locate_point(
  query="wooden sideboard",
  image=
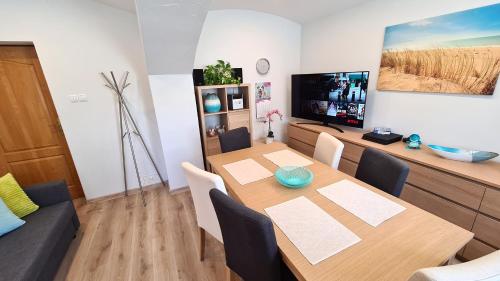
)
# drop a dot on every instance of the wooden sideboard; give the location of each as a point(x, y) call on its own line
point(466, 194)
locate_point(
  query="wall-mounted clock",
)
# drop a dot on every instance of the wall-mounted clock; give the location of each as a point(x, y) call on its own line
point(263, 66)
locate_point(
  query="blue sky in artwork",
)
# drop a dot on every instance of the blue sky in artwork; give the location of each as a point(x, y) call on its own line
point(461, 29)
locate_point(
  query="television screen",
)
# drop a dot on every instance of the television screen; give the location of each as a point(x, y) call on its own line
point(336, 98)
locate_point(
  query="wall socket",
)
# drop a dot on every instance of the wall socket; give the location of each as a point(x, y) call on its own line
point(148, 180)
point(83, 98)
point(73, 98)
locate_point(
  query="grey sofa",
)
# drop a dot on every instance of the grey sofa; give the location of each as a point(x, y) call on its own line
point(35, 250)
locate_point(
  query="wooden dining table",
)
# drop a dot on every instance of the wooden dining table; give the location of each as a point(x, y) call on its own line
point(392, 251)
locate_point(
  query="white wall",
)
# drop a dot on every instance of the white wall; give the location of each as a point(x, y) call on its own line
point(170, 32)
point(242, 37)
point(352, 40)
point(75, 40)
point(174, 99)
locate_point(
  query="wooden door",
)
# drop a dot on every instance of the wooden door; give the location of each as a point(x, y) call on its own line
point(32, 144)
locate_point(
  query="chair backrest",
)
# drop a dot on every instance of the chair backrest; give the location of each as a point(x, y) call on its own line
point(328, 150)
point(235, 139)
point(249, 240)
point(200, 183)
point(486, 268)
point(382, 171)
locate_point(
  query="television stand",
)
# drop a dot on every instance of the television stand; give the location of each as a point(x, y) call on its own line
point(324, 124)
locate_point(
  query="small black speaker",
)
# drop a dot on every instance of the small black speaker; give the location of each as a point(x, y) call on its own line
point(238, 73)
point(198, 77)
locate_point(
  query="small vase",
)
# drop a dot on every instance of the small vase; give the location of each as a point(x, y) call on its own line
point(270, 137)
point(212, 103)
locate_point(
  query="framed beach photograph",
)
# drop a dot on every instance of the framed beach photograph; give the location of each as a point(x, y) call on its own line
point(456, 53)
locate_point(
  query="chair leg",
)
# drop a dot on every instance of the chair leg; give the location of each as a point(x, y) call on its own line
point(202, 243)
point(231, 275)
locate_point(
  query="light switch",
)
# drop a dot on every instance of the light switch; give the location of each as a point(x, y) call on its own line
point(73, 98)
point(83, 98)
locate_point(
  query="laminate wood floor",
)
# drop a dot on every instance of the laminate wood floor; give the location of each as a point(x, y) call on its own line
point(121, 240)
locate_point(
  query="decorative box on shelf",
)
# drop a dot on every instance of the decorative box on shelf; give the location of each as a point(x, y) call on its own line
point(236, 104)
point(234, 99)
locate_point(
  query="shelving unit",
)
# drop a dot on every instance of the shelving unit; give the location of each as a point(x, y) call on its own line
point(230, 119)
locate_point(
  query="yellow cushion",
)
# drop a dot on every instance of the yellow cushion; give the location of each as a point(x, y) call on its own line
point(15, 198)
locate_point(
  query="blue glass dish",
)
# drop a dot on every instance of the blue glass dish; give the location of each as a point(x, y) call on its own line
point(294, 177)
point(462, 154)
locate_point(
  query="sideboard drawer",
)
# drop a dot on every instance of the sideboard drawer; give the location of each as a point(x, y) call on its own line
point(457, 189)
point(348, 167)
point(476, 249)
point(491, 203)
point(305, 136)
point(445, 209)
point(352, 151)
point(487, 230)
point(302, 147)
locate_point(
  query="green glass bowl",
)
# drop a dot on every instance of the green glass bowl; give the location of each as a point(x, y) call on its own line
point(294, 177)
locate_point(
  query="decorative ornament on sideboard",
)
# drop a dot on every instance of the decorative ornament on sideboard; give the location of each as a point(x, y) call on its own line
point(413, 141)
point(463, 155)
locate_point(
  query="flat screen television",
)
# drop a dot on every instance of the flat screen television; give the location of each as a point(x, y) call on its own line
point(332, 98)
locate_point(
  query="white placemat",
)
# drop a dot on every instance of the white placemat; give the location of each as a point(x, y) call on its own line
point(286, 157)
point(367, 205)
point(247, 171)
point(313, 231)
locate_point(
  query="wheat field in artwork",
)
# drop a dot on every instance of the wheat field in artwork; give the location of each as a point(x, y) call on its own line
point(455, 53)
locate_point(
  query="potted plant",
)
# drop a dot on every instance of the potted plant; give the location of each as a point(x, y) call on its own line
point(269, 119)
point(219, 74)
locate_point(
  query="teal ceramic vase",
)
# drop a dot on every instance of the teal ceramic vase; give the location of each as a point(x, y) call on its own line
point(212, 103)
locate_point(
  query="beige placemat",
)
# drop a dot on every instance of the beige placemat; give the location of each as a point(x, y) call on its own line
point(313, 231)
point(286, 157)
point(247, 171)
point(367, 205)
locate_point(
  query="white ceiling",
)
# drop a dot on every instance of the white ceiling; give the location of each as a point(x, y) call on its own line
point(301, 11)
point(128, 5)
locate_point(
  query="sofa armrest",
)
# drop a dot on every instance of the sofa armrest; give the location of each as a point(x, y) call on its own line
point(47, 194)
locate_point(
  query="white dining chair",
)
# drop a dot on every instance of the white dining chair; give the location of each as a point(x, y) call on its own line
point(200, 183)
point(328, 150)
point(486, 268)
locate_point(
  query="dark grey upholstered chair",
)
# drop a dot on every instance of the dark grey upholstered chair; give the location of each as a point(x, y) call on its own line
point(235, 139)
point(249, 241)
point(382, 171)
